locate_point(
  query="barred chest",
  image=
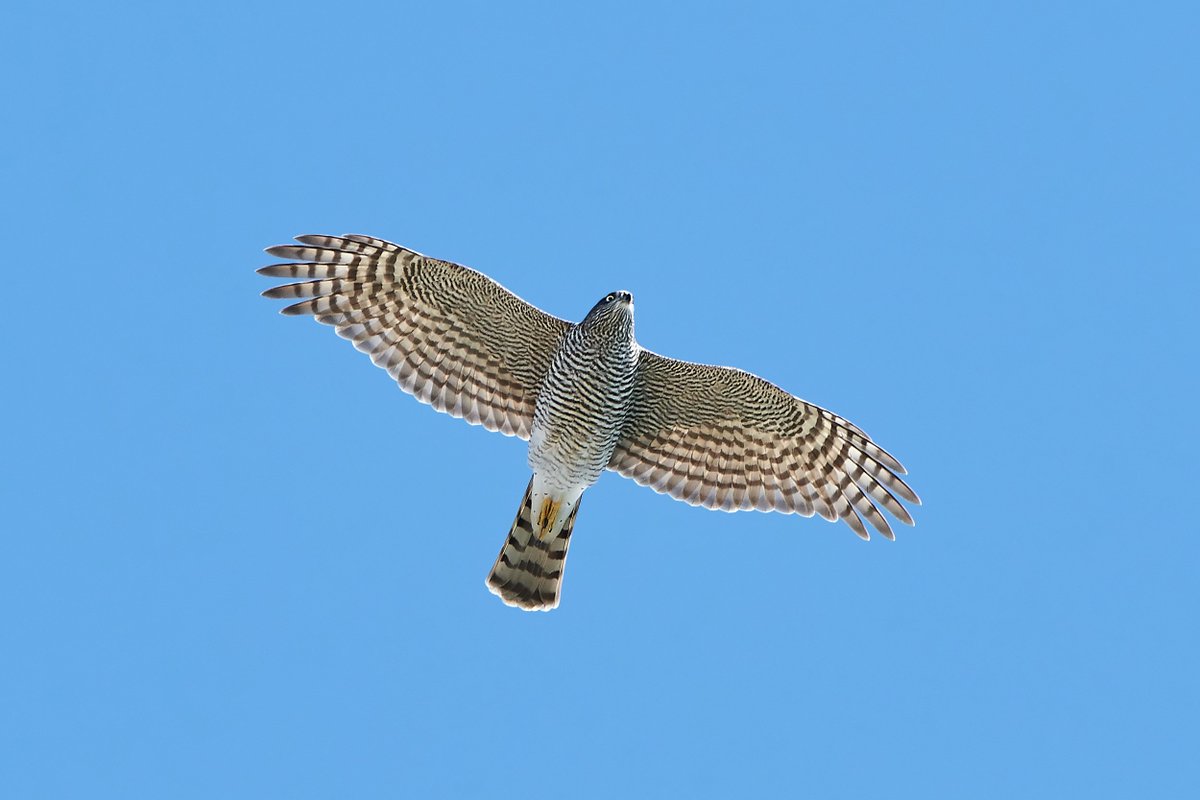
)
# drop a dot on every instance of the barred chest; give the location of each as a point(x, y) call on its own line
point(582, 406)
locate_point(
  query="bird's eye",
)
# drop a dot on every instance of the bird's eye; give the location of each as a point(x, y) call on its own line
point(609, 299)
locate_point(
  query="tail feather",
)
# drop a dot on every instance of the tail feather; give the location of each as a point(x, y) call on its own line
point(528, 572)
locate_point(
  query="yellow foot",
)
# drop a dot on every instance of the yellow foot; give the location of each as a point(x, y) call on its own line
point(546, 516)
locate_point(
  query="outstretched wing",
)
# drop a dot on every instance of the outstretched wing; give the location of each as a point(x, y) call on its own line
point(726, 439)
point(450, 336)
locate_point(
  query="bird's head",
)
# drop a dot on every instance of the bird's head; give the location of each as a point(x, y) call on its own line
point(613, 303)
point(614, 307)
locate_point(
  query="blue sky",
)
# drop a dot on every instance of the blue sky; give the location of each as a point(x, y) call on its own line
point(236, 561)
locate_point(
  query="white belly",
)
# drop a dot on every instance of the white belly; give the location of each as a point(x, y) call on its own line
point(564, 462)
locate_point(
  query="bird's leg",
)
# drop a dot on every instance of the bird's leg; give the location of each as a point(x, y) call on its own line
point(547, 516)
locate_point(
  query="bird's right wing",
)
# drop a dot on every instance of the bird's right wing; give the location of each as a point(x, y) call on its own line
point(725, 439)
point(450, 336)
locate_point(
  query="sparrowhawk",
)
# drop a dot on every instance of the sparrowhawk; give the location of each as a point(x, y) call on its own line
point(587, 397)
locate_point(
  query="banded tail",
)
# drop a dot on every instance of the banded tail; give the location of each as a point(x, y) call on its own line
point(528, 572)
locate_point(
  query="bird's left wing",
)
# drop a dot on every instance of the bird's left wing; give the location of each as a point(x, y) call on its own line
point(450, 336)
point(725, 439)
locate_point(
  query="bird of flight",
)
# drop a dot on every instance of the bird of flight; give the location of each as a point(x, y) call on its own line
point(587, 397)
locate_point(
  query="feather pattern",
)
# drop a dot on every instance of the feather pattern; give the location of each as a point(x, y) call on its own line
point(725, 439)
point(450, 336)
point(528, 573)
point(587, 397)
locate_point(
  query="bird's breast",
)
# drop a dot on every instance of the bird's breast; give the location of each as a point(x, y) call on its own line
point(581, 409)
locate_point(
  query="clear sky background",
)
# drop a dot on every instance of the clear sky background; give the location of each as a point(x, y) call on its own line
point(236, 561)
